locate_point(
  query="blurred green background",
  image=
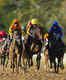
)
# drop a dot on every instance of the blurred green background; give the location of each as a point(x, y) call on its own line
point(45, 10)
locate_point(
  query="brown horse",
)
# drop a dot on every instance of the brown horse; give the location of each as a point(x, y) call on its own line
point(29, 54)
point(15, 55)
point(25, 56)
point(46, 59)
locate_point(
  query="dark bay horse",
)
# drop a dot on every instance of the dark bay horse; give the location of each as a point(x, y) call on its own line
point(34, 48)
point(55, 50)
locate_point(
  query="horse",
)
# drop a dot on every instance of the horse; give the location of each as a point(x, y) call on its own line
point(46, 59)
point(4, 54)
point(34, 48)
point(15, 53)
point(55, 50)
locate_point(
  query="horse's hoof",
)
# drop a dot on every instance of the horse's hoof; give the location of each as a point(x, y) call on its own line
point(20, 65)
point(31, 64)
point(11, 66)
point(38, 67)
point(31, 68)
point(50, 70)
point(56, 72)
point(36, 70)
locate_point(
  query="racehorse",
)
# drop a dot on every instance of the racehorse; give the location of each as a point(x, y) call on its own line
point(34, 48)
point(46, 59)
point(4, 54)
point(55, 50)
point(15, 53)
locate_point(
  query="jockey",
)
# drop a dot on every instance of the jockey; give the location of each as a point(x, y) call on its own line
point(15, 26)
point(15, 32)
point(33, 32)
point(57, 30)
point(31, 29)
point(3, 35)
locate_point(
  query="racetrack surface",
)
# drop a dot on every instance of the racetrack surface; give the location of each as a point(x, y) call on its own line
point(32, 74)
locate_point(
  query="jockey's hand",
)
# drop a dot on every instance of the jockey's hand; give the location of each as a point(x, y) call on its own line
point(32, 36)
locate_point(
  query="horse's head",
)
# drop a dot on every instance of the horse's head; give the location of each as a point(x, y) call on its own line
point(52, 39)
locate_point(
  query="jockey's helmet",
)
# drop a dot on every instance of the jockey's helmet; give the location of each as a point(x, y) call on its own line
point(15, 21)
point(55, 23)
point(34, 21)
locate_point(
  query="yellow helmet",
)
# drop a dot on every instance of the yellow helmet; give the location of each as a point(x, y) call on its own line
point(15, 20)
point(34, 21)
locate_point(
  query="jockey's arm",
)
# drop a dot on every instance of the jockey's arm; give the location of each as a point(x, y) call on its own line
point(60, 33)
point(28, 31)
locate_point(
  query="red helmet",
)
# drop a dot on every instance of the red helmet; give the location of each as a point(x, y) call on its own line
point(2, 33)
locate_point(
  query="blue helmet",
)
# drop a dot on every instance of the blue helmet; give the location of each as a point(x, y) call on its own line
point(55, 23)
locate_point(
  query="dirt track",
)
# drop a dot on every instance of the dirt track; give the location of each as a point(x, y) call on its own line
point(32, 74)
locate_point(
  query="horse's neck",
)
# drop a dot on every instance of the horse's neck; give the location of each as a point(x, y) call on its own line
point(37, 34)
point(13, 43)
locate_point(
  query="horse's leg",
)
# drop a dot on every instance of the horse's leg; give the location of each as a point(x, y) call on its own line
point(61, 64)
point(50, 62)
point(46, 59)
point(55, 64)
point(23, 61)
point(29, 64)
point(7, 59)
point(20, 60)
point(1, 59)
point(46, 62)
point(38, 60)
point(59, 60)
point(4, 59)
point(31, 61)
point(13, 65)
point(17, 65)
